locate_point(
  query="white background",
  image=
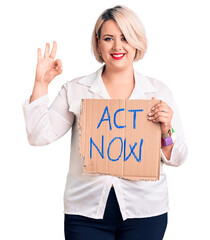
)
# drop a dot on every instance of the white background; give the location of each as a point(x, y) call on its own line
point(32, 179)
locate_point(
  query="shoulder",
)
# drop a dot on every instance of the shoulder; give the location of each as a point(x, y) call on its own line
point(164, 91)
point(160, 86)
point(79, 87)
point(74, 81)
point(86, 80)
point(154, 87)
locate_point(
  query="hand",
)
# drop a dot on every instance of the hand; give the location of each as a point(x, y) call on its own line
point(47, 68)
point(162, 113)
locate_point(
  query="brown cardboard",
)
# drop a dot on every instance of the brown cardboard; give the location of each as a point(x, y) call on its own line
point(124, 123)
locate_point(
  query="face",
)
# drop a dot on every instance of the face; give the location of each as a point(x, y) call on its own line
point(115, 50)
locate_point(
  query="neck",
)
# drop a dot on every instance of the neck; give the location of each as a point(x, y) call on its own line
point(118, 76)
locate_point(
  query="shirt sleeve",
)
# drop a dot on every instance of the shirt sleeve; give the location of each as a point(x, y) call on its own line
point(179, 150)
point(46, 124)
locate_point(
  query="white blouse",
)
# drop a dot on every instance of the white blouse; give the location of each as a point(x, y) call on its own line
point(87, 195)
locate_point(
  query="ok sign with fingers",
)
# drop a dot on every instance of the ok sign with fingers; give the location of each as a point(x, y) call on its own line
point(47, 68)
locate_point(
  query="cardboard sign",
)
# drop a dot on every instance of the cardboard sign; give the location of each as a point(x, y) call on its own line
point(116, 138)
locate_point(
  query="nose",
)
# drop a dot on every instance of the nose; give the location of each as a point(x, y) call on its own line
point(117, 45)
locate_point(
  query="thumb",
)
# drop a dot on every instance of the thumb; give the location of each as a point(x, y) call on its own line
point(58, 68)
point(153, 98)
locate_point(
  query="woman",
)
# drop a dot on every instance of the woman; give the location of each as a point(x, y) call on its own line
point(107, 207)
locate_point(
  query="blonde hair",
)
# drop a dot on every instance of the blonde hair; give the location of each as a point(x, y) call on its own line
point(130, 25)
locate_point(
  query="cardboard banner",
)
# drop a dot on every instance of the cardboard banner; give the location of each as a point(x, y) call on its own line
point(116, 138)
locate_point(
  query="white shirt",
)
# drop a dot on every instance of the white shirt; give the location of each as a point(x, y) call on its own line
point(87, 195)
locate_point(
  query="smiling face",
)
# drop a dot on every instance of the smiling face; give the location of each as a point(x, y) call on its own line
point(116, 52)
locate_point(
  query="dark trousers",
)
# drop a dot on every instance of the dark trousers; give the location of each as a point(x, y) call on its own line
point(112, 226)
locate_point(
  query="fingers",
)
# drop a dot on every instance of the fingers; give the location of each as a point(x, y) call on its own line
point(47, 50)
point(39, 54)
point(161, 112)
point(57, 64)
point(161, 108)
point(54, 49)
point(158, 117)
point(58, 68)
point(161, 105)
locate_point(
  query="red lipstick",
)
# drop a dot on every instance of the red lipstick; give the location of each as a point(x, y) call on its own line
point(117, 56)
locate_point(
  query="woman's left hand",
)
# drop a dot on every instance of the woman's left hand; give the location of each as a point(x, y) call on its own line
point(162, 113)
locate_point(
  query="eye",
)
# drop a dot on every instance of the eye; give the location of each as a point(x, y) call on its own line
point(124, 39)
point(107, 39)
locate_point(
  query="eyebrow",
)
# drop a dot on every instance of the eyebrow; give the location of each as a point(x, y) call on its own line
point(109, 35)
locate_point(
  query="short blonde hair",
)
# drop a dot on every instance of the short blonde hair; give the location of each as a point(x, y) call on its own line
point(130, 25)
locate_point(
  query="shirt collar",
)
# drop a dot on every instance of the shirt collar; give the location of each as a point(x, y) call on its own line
point(95, 83)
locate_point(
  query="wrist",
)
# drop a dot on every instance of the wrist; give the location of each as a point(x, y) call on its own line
point(165, 129)
point(168, 138)
point(40, 89)
point(40, 84)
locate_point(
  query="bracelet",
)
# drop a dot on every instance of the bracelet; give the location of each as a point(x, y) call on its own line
point(168, 139)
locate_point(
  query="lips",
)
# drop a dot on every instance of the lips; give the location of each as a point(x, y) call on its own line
point(117, 56)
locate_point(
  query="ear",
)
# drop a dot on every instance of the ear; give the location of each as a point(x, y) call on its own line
point(135, 54)
point(98, 42)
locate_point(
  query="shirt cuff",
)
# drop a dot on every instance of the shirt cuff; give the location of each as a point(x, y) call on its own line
point(178, 153)
point(39, 101)
point(163, 157)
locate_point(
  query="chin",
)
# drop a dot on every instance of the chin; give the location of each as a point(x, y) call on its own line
point(120, 66)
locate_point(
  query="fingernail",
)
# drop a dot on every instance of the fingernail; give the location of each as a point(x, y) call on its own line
point(153, 109)
point(149, 114)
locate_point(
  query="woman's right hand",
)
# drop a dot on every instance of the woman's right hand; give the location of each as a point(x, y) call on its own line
point(47, 68)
